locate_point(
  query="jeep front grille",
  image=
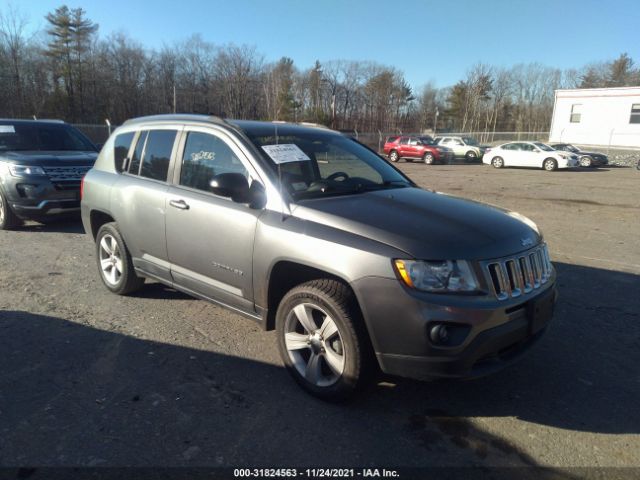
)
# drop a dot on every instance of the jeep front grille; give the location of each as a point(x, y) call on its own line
point(66, 174)
point(519, 274)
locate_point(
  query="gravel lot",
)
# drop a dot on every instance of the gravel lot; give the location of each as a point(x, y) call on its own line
point(160, 379)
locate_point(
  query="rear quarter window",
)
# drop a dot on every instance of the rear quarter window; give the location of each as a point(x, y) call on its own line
point(121, 146)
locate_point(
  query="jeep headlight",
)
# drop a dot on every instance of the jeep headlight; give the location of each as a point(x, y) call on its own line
point(447, 276)
point(25, 170)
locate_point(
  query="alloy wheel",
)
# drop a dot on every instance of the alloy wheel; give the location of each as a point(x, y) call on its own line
point(110, 260)
point(314, 344)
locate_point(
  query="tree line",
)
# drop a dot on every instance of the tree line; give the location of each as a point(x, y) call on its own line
point(68, 71)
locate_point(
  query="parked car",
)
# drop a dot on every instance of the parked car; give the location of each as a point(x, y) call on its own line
point(416, 148)
point(463, 147)
point(529, 154)
point(41, 165)
point(586, 159)
point(310, 233)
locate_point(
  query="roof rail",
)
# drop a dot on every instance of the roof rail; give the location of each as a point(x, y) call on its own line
point(317, 125)
point(180, 117)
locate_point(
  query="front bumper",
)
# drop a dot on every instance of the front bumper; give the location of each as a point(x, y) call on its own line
point(38, 197)
point(489, 334)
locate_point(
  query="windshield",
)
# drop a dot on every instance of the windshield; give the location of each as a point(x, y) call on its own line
point(44, 136)
point(571, 148)
point(332, 165)
point(470, 141)
point(544, 147)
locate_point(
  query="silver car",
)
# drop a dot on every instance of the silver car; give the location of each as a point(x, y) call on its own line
point(311, 233)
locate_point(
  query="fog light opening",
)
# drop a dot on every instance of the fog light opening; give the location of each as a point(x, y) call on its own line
point(439, 334)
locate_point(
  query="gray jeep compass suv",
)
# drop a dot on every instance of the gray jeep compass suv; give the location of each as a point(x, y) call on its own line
point(312, 234)
point(41, 165)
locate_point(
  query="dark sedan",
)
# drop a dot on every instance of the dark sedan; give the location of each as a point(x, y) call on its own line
point(587, 159)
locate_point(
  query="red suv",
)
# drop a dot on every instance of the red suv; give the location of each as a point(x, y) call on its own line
point(416, 148)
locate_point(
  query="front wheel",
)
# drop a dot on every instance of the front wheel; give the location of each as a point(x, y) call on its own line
point(585, 162)
point(8, 219)
point(428, 158)
point(497, 162)
point(114, 261)
point(549, 164)
point(470, 156)
point(321, 339)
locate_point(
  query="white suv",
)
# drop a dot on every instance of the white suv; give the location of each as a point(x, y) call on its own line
point(529, 154)
point(463, 147)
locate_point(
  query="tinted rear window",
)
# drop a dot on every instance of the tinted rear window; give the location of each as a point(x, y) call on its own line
point(121, 147)
point(42, 136)
point(134, 166)
point(155, 162)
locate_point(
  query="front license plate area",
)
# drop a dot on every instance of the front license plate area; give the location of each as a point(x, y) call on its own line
point(540, 310)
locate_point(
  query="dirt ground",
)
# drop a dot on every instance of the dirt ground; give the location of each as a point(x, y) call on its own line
point(160, 379)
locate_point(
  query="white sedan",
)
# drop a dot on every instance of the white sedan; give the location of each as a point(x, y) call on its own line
point(529, 154)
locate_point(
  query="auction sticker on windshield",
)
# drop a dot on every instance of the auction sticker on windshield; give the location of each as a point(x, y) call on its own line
point(285, 153)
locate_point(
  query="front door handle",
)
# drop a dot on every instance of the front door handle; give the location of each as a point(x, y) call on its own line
point(181, 204)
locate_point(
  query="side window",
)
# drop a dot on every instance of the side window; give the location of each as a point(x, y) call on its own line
point(121, 147)
point(635, 113)
point(206, 156)
point(413, 141)
point(404, 141)
point(157, 153)
point(576, 113)
point(526, 147)
point(134, 166)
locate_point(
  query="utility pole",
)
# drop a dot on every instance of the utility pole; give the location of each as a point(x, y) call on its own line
point(174, 98)
point(435, 122)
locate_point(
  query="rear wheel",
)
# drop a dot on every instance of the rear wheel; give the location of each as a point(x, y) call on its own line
point(550, 164)
point(393, 156)
point(470, 156)
point(497, 162)
point(321, 339)
point(428, 158)
point(8, 219)
point(114, 261)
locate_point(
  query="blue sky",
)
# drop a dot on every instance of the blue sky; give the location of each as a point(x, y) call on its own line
point(427, 40)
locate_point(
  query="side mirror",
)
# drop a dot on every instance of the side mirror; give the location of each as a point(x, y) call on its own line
point(231, 185)
point(537, 150)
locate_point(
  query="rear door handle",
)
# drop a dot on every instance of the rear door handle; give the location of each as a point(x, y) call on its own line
point(181, 204)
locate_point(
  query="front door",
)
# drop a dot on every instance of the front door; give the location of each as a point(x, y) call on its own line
point(210, 238)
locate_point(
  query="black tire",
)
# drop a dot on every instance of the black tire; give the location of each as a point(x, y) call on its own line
point(470, 156)
point(428, 158)
point(324, 299)
point(127, 281)
point(393, 156)
point(497, 162)
point(586, 162)
point(8, 219)
point(550, 164)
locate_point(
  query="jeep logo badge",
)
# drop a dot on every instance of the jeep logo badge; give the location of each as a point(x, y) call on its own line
point(526, 242)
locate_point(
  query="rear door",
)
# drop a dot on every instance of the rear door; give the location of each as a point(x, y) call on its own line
point(210, 238)
point(139, 201)
point(512, 155)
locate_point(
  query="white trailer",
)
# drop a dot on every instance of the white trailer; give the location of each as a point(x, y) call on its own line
point(598, 117)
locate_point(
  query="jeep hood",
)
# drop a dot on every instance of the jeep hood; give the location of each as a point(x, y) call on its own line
point(426, 225)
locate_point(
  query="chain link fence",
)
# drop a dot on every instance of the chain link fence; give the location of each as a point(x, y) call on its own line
point(98, 134)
